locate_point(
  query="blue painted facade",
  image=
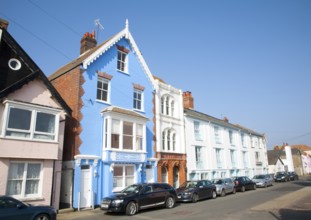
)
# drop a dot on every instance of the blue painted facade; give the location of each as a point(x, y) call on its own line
point(96, 153)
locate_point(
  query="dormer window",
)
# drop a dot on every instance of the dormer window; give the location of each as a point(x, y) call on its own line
point(122, 64)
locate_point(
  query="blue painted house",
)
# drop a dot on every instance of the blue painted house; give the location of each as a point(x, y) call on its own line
point(109, 141)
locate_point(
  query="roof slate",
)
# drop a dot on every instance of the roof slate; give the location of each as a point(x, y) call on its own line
point(205, 117)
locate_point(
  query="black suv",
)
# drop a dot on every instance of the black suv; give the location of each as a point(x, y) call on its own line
point(281, 177)
point(293, 175)
point(243, 183)
point(140, 196)
point(192, 191)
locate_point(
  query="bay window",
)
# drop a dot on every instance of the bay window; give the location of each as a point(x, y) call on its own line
point(124, 135)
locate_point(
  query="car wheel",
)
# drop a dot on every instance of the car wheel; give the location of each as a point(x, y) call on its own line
point(223, 193)
point(131, 208)
point(170, 202)
point(234, 190)
point(243, 189)
point(195, 198)
point(214, 194)
point(42, 217)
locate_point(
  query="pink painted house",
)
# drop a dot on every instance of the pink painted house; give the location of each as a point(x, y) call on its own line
point(32, 122)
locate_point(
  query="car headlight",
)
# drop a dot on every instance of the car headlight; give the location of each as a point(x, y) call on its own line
point(117, 201)
point(187, 193)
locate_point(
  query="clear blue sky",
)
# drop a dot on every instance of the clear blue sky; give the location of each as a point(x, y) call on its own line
point(247, 60)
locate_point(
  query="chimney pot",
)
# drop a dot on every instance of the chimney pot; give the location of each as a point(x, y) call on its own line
point(188, 100)
point(4, 24)
point(88, 41)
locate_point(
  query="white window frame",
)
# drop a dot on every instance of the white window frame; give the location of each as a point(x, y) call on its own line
point(169, 140)
point(34, 109)
point(197, 130)
point(23, 194)
point(218, 152)
point(124, 177)
point(217, 133)
point(198, 157)
point(101, 90)
point(123, 60)
point(231, 138)
point(108, 131)
point(167, 106)
point(137, 92)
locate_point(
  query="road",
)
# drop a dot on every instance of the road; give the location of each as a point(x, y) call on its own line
point(283, 201)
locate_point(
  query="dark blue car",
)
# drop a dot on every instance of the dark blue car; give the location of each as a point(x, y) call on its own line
point(13, 209)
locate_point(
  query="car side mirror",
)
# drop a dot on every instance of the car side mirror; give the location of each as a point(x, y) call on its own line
point(20, 206)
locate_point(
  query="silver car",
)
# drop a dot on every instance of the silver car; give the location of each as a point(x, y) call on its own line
point(224, 186)
point(263, 180)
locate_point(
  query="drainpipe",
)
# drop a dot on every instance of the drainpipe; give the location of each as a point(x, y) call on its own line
point(52, 190)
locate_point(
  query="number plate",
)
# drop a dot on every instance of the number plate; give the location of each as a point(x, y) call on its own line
point(104, 206)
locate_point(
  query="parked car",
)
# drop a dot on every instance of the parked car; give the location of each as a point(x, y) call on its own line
point(12, 209)
point(140, 196)
point(281, 177)
point(243, 183)
point(293, 175)
point(194, 190)
point(263, 180)
point(224, 186)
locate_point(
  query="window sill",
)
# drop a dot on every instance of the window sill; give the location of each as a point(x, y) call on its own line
point(124, 72)
point(138, 110)
point(30, 140)
point(104, 102)
point(30, 199)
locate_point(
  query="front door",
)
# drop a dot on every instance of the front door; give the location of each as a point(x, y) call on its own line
point(86, 187)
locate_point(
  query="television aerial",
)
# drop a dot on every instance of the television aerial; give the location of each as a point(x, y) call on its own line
point(99, 27)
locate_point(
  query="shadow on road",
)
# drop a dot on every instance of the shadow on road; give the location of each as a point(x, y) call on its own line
point(303, 183)
point(290, 214)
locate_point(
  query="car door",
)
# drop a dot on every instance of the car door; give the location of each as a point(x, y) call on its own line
point(227, 186)
point(248, 183)
point(160, 193)
point(201, 190)
point(147, 197)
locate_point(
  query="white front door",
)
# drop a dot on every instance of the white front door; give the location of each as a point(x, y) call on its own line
point(86, 187)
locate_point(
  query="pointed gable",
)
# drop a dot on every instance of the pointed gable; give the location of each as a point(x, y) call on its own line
point(17, 69)
point(93, 54)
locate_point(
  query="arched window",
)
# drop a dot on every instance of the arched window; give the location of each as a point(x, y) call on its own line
point(162, 104)
point(172, 108)
point(169, 140)
point(167, 105)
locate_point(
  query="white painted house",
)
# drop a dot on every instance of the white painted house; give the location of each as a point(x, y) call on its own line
point(170, 144)
point(216, 148)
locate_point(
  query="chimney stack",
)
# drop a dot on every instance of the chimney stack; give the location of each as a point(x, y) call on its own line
point(188, 100)
point(4, 24)
point(88, 41)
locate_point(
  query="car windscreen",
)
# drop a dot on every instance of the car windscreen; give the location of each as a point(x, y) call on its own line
point(189, 184)
point(132, 189)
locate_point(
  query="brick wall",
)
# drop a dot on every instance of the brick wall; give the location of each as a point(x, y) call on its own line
point(69, 85)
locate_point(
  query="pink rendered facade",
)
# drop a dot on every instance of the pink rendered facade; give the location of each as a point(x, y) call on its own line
point(31, 162)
